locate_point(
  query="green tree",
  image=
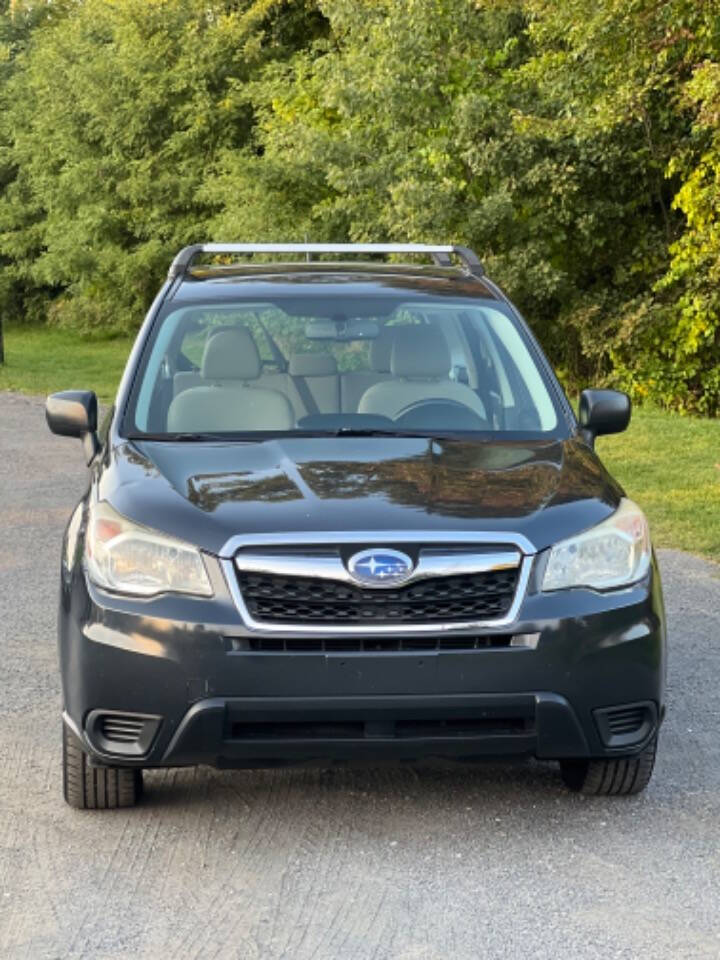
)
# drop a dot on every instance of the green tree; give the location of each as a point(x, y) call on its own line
point(117, 114)
point(681, 366)
point(18, 21)
point(646, 73)
point(442, 120)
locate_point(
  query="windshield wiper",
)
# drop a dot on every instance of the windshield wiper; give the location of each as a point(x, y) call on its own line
point(259, 436)
point(389, 432)
point(190, 437)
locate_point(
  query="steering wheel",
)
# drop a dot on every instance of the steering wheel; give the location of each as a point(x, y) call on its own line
point(439, 414)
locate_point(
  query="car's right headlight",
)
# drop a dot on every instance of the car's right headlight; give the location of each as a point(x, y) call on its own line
point(615, 553)
point(123, 556)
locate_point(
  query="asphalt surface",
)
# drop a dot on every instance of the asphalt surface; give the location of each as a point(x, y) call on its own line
point(388, 864)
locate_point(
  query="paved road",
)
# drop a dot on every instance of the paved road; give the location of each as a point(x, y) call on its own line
point(427, 864)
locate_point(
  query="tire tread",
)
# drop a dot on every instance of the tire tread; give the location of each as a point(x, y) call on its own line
point(96, 788)
point(615, 777)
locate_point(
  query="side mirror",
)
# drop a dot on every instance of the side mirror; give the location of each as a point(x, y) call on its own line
point(73, 413)
point(603, 411)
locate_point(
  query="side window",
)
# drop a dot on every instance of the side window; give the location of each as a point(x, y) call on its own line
point(532, 406)
point(493, 368)
point(461, 368)
point(519, 412)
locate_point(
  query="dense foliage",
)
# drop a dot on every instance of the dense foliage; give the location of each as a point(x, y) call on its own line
point(576, 146)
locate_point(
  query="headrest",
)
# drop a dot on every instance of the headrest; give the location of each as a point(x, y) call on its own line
point(381, 350)
point(231, 355)
point(420, 351)
point(312, 365)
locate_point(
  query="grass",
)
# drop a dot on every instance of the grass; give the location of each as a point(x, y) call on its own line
point(668, 463)
point(41, 360)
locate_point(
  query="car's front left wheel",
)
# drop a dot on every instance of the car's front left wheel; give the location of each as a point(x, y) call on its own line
point(88, 787)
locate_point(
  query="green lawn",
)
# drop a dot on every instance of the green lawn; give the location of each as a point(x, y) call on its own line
point(668, 463)
point(40, 360)
point(671, 466)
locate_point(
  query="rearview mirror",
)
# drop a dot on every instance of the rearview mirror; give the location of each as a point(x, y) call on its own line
point(602, 412)
point(342, 330)
point(73, 413)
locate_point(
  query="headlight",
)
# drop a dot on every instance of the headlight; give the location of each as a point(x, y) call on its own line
point(123, 556)
point(613, 554)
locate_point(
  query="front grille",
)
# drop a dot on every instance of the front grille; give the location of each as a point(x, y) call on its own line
point(399, 728)
point(380, 644)
point(313, 600)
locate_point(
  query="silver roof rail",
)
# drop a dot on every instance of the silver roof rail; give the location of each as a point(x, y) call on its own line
point(441, 254)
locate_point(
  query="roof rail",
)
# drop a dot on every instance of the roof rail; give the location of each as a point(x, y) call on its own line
point(441, 254)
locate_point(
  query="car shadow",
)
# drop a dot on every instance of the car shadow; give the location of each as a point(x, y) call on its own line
point(426, 782)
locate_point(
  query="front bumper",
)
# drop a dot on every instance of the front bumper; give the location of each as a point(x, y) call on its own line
point(178, 661)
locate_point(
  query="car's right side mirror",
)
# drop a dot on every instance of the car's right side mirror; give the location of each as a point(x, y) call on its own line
point(603, 411)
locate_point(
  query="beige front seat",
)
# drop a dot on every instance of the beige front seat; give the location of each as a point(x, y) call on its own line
point(184, 379)
point(227, 400)
point(420, 365)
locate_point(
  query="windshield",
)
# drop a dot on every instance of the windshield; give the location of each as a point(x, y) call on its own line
point(339, 366)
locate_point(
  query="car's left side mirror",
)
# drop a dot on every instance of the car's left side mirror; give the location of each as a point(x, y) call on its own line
point(603, 411)
point(73, 413)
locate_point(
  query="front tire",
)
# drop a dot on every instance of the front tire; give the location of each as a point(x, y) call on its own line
point(86, 787)
point(616, 777)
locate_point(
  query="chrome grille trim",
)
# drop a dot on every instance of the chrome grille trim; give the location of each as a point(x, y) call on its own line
point(525, 555)
point(329, 566)
point(320, 538)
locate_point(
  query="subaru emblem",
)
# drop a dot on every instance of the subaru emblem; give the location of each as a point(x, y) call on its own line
point(380, 567)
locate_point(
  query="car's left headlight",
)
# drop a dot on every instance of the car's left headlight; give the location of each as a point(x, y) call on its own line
point(615, 553)
point(123, 556)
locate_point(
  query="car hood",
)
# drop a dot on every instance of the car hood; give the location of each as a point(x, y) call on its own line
point(206, 493)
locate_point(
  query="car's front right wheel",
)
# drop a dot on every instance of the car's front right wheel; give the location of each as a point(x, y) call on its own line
point(616, 777)
point(87, 787)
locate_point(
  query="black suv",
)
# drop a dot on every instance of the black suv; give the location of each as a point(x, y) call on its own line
point(343, 512)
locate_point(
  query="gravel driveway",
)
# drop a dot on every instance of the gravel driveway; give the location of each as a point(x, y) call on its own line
point(406, 864)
